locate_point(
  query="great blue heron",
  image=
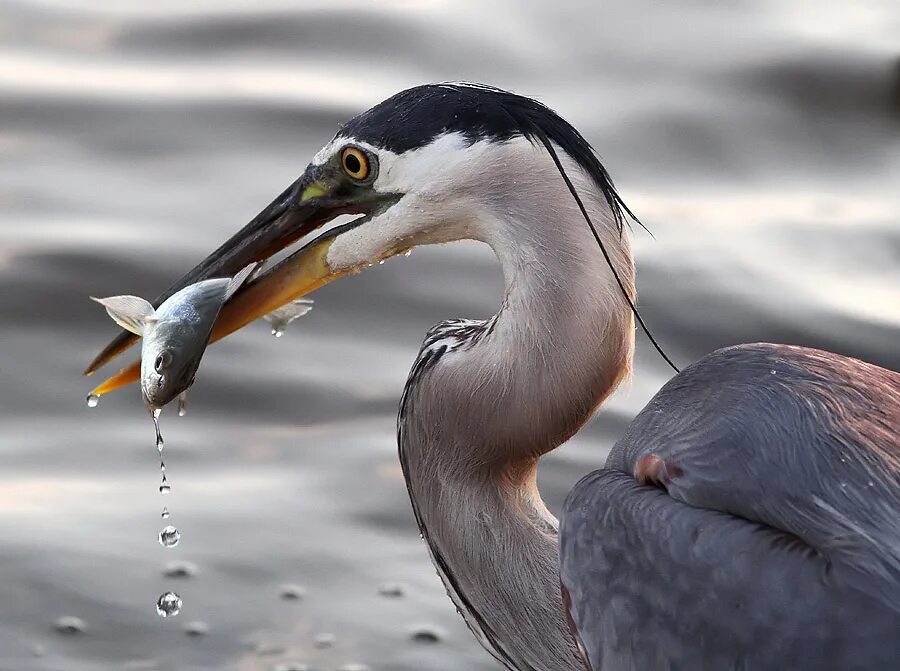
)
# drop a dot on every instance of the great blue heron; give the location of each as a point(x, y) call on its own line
point(749, 518)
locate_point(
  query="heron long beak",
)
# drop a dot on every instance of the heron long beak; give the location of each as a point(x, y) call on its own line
point(313, 200)
point(295, 276)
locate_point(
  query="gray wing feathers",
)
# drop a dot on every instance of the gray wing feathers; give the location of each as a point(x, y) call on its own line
point(798, 439)
point(784, 480)
point(656, 584)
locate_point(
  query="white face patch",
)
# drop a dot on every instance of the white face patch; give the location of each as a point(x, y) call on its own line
point(508, 194)
point(414, 169)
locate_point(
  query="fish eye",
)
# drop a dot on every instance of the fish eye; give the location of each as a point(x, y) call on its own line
point(163, 361)
point(355, 163)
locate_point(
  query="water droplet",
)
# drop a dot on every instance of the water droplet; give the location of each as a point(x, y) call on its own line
point(324, 640)
point(408, 252)
point(164, 487)
point(165, 513)
point(169, 537)
point(159, 439)
point(381, 263)
point(277, 331)
point(196, 629)
point(93, 400)
point(292, 592)
point(426, 634)
point(180, 569)
point(168, 605)
point(182, 405)
point(393, 590)
point(69, 624)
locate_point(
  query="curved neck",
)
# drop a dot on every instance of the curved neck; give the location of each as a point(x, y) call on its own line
point(480, 410)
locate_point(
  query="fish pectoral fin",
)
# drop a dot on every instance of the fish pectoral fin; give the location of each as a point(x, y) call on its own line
point(288, 313)
point(130, 312)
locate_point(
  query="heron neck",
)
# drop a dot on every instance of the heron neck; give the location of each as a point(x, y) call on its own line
point(477, 423)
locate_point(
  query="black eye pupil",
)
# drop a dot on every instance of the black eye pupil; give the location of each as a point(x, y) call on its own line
point(352, 163)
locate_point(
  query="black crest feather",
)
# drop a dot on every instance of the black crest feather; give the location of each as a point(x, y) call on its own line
point(416, 116)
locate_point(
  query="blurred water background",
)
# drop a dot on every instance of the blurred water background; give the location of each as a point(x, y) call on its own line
point(760, 141)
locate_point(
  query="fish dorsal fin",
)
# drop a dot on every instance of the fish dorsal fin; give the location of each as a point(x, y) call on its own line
point(238, 280)
point(203, 296)
point(130, 312)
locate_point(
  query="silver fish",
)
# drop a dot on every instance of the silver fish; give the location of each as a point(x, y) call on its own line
point(175, 335)
point(280, 319)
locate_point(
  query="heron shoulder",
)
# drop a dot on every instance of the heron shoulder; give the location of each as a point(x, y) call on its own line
point(799, 440)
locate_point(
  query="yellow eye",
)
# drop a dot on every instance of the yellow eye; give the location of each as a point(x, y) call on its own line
point(355, 163)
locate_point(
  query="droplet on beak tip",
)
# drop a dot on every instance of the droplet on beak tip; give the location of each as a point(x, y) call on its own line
point(277, 332)
point(182, 405)
point(93, 400)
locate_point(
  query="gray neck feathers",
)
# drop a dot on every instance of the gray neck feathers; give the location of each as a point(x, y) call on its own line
point(477, 418)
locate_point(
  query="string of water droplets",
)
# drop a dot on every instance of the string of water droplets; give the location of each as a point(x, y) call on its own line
point(169, 603)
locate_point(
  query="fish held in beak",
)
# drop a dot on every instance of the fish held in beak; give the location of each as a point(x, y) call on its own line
point(292, 278)
point(300, 209)
point(321, 194)
point(174, 336)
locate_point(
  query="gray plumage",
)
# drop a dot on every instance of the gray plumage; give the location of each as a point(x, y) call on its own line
point(772, 541)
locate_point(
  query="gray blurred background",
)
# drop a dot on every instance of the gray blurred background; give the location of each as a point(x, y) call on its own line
point(759, 141)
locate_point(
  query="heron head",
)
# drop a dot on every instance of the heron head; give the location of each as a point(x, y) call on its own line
point(432, 164)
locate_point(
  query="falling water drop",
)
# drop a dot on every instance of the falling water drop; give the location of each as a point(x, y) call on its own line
point(168, 605)
point(159, 439)
point(182, 405)
point(277, 331)
point(93, 400)
point(169, 537)
point(164, 487)
point(165, 513)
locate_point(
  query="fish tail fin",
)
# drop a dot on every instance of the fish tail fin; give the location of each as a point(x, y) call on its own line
point(130, 312)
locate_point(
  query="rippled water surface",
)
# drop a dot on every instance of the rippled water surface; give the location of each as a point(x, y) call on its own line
point(758, 140)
